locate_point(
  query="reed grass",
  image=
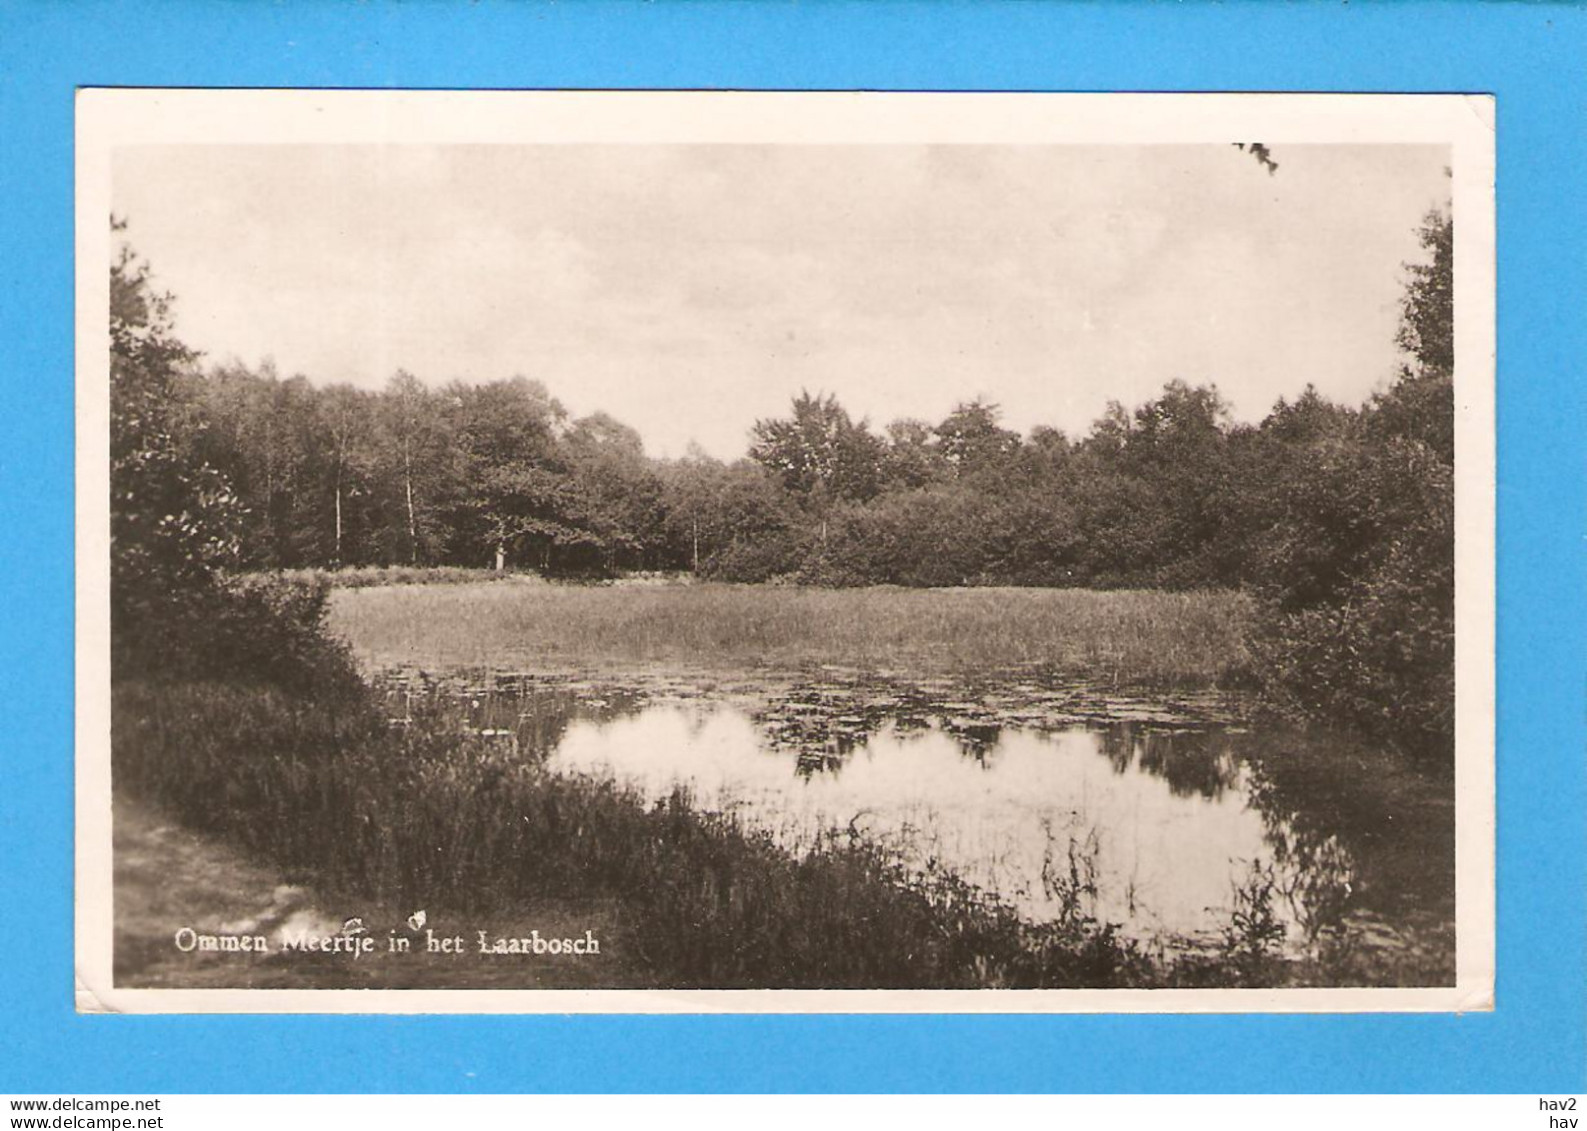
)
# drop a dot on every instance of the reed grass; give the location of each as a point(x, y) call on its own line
point(1129, 637)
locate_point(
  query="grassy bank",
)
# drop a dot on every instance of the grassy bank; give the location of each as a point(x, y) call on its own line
point(1137, 637)
point(429, 817)
point(166, 874)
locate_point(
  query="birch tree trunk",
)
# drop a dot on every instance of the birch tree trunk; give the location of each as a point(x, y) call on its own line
point(407, 483)
point(338, 513)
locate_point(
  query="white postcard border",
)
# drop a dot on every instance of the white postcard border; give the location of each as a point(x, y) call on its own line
point(109, 118)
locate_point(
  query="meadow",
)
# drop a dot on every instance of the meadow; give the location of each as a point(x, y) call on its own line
point(1132, 637)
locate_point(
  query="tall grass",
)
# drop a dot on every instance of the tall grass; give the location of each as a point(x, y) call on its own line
point(429, 817)
point(1136, 637)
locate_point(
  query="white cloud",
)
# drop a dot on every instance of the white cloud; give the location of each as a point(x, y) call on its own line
point(689, 290)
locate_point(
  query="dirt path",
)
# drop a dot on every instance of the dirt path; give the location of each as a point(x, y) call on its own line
point(168, 878)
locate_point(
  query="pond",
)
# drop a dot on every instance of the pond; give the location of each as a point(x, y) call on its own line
point(1164, 815)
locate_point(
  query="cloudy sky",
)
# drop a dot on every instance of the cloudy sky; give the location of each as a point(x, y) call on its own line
point(691, 289)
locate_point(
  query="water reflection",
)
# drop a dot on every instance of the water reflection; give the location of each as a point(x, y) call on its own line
point(1155, 816)
point(991, 808)
point(1194, 763)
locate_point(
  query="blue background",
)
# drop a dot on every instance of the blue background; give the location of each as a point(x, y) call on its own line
point(1531, 56)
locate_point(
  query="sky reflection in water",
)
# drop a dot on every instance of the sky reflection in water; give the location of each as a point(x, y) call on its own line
point(1164, 856)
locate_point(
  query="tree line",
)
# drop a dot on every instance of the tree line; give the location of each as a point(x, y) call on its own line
point(1339, 517)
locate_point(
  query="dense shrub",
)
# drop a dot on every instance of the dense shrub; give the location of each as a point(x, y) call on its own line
point(261, 629)
point(368, 577)
point(924, 538)
point(1359, 607)
point(773, 556)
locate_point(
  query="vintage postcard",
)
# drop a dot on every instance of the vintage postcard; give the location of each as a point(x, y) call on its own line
point(776, 552)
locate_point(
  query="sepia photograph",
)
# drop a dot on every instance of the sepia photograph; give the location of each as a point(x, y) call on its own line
point(635, 552)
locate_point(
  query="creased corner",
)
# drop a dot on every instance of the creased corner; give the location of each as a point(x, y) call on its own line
point(89, 1001)
point(1485, 108)
point(1479, 999)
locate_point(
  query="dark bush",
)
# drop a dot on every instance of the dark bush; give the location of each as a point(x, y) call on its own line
point(775, 555)
point(260, 629)
point(1360, 605)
